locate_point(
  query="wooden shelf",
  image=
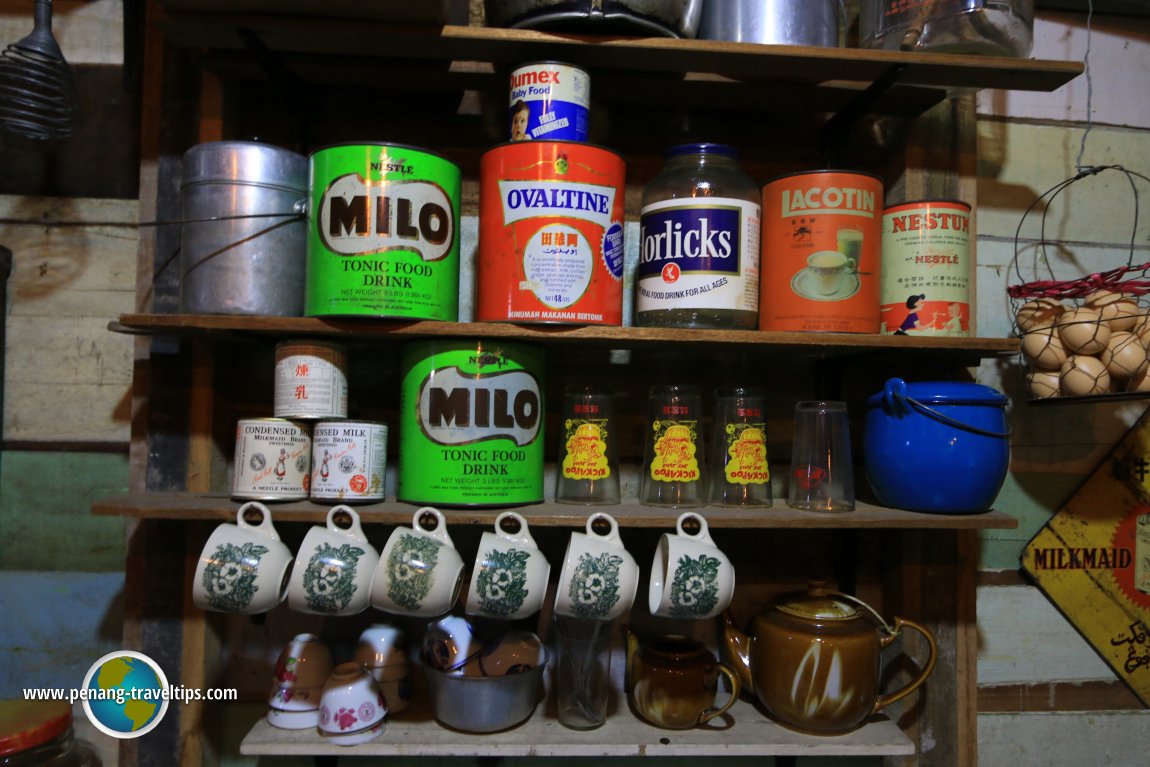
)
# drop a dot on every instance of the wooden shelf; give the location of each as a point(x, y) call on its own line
point(812, 66)
point(210, 507)
point(220, 327)
point(750, 733)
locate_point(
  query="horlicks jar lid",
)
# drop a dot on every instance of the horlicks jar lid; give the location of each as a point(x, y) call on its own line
point(702, 147)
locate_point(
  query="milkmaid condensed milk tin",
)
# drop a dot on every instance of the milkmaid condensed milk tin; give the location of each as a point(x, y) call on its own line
point(550, 234)
point(348, 461)
point(383, 233)
point(926, 268)
point(820, 252)
point(272, 460)
point(471, 424)
point(549, 100)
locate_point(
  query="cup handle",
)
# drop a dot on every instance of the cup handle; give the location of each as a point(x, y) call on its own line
point(704, 533)
point(612, 535)
point(440, 531)
point(885, 700)
point(523, 537)
point(265, 526)
point(354, 530)
point(733, 678)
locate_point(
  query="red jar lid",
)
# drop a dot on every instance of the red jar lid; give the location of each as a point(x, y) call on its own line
point(26, 724)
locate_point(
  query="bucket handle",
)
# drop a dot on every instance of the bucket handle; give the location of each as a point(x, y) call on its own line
point(895, 396)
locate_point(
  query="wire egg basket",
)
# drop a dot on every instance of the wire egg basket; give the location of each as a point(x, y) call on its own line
point(1088, 337)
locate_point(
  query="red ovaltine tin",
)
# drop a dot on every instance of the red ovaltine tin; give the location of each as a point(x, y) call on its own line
point(550, 234)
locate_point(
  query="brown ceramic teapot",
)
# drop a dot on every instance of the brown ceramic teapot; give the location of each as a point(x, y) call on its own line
point(671, 681)
point(813, 659)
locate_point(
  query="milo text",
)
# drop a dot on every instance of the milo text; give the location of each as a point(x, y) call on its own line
point(357, 218)
point(458, 409)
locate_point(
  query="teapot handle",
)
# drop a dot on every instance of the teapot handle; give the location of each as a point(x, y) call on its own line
point(885, 700)
point(733, 679)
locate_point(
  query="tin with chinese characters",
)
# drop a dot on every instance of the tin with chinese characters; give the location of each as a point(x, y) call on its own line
point(310, 380)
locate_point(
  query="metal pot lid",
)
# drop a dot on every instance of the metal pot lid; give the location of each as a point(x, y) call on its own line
point(940, 393)
point(250, 162)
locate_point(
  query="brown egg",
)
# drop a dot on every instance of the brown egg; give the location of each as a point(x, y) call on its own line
point(1082, 375)
point(1043, 349)
point(1039, 313)
point(1118, 310)
point(1142, 328)
point(1124, 356)
point(1083, 331)
point(1140, 383)
point(1043, 384)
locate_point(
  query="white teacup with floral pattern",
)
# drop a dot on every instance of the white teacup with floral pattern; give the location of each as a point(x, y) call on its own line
point(332, 573)
point(690, 576)
point(509, 579)
point(420, 572)
point(599, 577)
point(243, 566)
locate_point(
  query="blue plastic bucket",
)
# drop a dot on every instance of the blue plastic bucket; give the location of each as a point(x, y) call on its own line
point(939, 447)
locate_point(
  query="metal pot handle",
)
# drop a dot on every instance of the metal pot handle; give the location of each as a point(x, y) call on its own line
point(895, 396)
point(885, 700)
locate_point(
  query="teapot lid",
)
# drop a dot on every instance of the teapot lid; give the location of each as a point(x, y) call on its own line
point(821, 604)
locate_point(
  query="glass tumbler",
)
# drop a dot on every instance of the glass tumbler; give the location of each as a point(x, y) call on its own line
point(822, 475)
point(673, 449)
point(583, 676)
point(739, 472)
point(588, 459)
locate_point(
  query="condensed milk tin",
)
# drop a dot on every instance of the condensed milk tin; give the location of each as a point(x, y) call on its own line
point(549, 100)
point(550, 234)
point(348, 461)
point(383, 233)
point(310, 380)
point(471, 424)
point(272, 461)
point(820, 252)
point(926, 268)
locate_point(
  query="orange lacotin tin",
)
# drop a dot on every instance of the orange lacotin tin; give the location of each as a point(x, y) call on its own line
point(550, 234)
point(821, 245)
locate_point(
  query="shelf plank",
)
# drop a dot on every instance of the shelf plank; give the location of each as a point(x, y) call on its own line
point(745, 61)
point(240, 326)
point(751, 733)
point(629, 513)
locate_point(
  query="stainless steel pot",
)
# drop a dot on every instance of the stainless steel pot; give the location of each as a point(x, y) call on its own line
point(773, 22)
point(230, 264)
point(484, 703)
point(667, 18)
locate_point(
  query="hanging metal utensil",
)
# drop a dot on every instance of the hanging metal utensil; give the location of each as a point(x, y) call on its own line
point(37, 91)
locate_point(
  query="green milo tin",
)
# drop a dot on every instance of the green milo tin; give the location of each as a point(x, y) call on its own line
point(471, 424)
point(383, 233)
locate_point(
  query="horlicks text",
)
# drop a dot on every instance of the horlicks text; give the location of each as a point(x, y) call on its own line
point(697, 239)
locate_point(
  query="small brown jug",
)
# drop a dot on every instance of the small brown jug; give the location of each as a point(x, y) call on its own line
point(671, 681)
point(813, 659)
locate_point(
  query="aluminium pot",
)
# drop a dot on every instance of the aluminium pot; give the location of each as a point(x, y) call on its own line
point(666, 18)
point(773, 22)
point(484, 703)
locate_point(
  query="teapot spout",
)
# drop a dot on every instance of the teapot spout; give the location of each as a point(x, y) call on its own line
point(738, 650)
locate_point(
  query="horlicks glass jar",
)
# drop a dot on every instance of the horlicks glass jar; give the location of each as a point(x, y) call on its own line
point(699, 242)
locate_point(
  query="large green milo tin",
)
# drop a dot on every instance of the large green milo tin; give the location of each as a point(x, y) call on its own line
point(471, 424)
point(383, 233)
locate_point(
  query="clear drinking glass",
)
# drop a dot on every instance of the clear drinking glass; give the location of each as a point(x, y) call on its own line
point(822, 475)
point(673, 449)
point(739, 472)
point(588, 470)
point(583, 678)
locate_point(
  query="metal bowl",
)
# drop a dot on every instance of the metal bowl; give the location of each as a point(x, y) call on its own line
point(484, 703)
point(668, 18)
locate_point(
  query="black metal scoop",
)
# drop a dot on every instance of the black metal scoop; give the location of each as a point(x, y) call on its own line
point(37, 91)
